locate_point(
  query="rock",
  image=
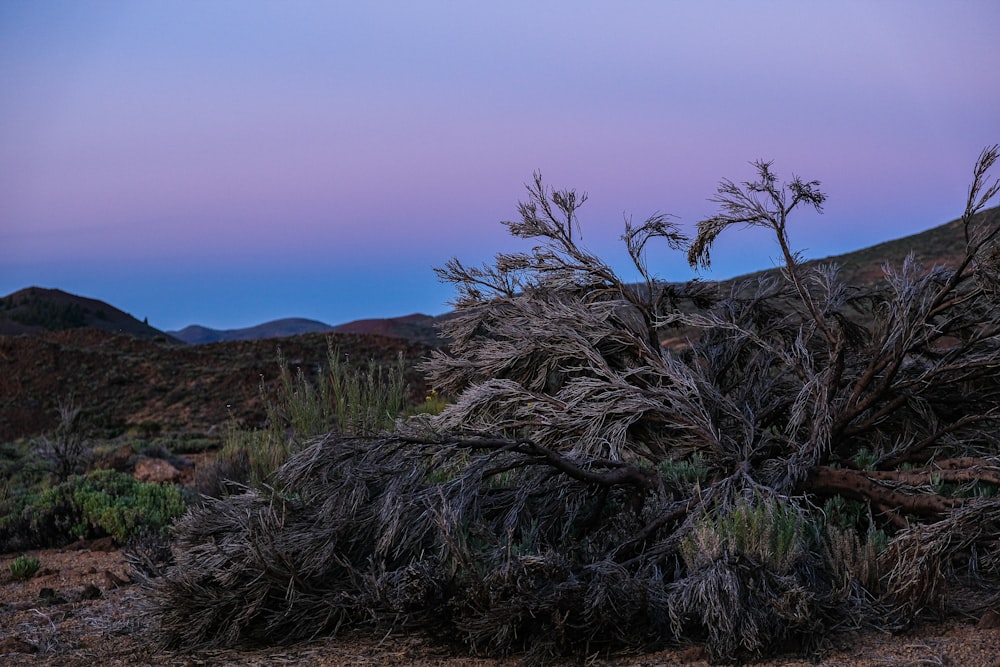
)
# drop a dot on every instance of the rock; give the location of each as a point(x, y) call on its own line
point(50, 597)
point(90, 592)
point(155, 470)
point(990, 620)
point(105, 543)
point(120, 459)
point(114, 581)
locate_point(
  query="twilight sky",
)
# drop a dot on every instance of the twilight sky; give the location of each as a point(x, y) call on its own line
point(231, 162)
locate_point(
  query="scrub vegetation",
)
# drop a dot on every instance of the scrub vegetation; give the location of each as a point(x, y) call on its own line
point(341, 396)
point(96, 504)
point(815, 457)
point(66, 485)
point(23, 568)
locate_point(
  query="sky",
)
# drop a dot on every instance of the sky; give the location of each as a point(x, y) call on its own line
point(227, 163)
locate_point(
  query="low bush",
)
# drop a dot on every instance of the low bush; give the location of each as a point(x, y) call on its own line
point(23, 568)
point(344, 397)
point(192, 443)
point(68, 448)
point(147, 551)
point(98, 504)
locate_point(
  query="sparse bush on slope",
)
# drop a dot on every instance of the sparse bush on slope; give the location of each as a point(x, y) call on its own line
point(816, 458)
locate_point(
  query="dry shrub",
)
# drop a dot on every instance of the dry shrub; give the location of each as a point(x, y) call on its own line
point(590, 490)
point(504, 554)
point(947, 566)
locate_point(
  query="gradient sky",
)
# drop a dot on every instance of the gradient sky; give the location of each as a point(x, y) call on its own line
point(228, 163)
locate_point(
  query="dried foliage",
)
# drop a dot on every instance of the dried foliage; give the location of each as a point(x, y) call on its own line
point(817, 456)
point(67, 450)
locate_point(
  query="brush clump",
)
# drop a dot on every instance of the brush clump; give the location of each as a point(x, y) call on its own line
point(814, 457)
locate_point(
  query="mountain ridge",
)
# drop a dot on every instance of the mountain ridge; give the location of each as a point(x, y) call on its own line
point(123, 382)
point(34, 309)
point(416, 327)
point(196, 334)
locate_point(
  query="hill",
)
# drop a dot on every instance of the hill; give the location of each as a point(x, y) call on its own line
point(123, 382)
point(416, 328)
point(293, 326)
point(944, 245)
point(35, 309)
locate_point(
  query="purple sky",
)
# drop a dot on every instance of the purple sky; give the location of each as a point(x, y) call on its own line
point(228, 163)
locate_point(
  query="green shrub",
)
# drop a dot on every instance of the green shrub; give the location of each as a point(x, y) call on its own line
point(766, 530)
point(358, 399)
point(103, 502)
point(252, 456)
point(23, 568)
point(684, 472)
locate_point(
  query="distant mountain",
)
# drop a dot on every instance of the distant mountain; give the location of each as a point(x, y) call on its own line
point(35, 310)
point(292, 326)
point(417, 328)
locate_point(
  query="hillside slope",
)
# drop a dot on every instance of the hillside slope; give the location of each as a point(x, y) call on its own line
point(121, 381)
point(943, 245)
point(417, 327)
point(36, 309)
point(293, 326)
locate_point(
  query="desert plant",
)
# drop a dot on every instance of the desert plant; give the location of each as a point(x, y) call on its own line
point(801, 465)
point(23, 567)
point(433, 404)
point(103, 502)
point(346, 397)
point(67, 448)
point(148, 553)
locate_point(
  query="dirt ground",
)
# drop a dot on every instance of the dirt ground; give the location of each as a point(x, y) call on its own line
point(80, 610)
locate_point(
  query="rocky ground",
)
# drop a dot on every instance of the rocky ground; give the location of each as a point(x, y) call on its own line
point(81, 610)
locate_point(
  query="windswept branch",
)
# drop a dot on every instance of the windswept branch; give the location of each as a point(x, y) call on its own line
point(600, 472)
point(825, 480)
